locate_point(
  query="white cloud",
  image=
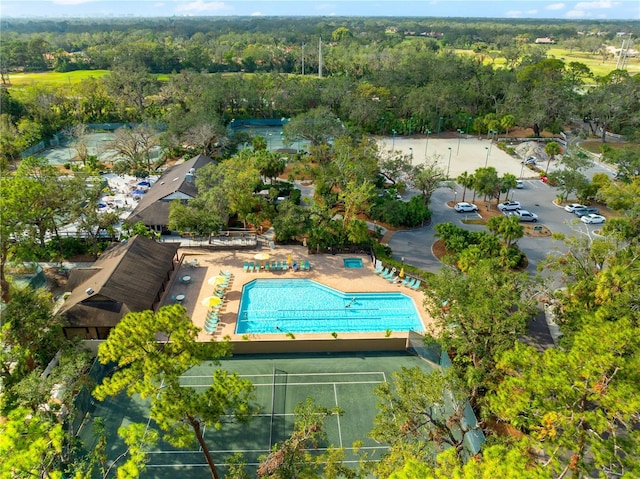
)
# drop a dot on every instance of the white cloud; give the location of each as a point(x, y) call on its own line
point(256, 14)
point(532, 12)
point(556, 6)
point(199, 6)
point(513, 14)
point(71, 2)
point(576, 14)
point(593, 5)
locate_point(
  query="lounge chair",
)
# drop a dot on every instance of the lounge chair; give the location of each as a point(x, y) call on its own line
point(245, 267)
point(411, 283)
point(379, 269)
point(389, 274)
point(416, 285)
point(252, 267)
point(307, 265)
point(283, 265)
point(267, 266)
point(302, 265)
point(226, 274)
point(406, 281)
point(384, 272)
point(393, 279)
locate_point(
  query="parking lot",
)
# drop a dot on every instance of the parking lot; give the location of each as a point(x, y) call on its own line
point(415, 245)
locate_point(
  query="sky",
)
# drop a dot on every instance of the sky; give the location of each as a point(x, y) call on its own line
point(536, 9)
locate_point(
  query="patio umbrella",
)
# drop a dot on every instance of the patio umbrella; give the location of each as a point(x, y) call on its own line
point(216, 280)
point(144, 183)
point(137, 192)
point(401, 275)
point(289, 260)
point(262, 257)
point(211, 301)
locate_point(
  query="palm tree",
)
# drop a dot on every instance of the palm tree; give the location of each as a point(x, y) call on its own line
point(466, 180)
point(552, 149)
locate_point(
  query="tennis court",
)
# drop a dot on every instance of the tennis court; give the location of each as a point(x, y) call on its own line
point(282, 381)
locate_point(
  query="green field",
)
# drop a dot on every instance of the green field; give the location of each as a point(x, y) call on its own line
point(54, 78)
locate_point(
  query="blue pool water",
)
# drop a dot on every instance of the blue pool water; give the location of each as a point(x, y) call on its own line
point(353, 263)
point(280, 306)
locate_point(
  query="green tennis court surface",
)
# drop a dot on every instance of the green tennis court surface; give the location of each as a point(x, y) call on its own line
point(343, 380)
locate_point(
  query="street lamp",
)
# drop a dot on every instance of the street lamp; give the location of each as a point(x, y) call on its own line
point(427, 145)
point(440, 124)
point(487, 160)
point(411, 152)
point(493, 135)
point(460, 132)
point(455, 197)
point(449, 163)
point(468, 123)
point(393, 141)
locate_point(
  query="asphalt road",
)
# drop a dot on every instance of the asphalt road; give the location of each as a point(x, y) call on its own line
point(415, 245)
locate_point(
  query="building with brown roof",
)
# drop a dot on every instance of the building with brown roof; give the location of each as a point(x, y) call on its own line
point(131, 276)
point(176, 183)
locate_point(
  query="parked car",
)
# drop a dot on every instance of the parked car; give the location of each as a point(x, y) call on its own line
point(524, 215)
point(571, 207)
point(592, 219)
point(465, 207)
point(587, 210)
point(519, 184)
point(509, 206)
point(532, 160)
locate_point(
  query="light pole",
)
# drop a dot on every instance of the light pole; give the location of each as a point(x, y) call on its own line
point(468, 123)
point(455, 197)
point(493, 135)
point(460, 132)
point(393, 141)
point(487, 159)
point(440, 124)
point(411, 152)
point(449, 163)
point(427, 145)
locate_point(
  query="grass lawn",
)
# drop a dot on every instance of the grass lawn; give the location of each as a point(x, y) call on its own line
point(54, 78)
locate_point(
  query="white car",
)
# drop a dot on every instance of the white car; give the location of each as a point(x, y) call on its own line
point(571, 207)
point(509, 206)
point(592, 219)
point(465, 207)
point(519, 184)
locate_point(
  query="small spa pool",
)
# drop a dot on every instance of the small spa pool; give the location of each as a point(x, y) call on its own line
point(353, 263)
point(281, 306)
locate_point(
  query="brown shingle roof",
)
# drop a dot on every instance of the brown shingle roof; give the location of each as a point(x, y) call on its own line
point(127, 277)
point(153, 208)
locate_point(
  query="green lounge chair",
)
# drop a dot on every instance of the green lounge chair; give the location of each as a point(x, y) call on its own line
point(384, 272)
point(307, 265)
point(252, 267)
point(416, 285)
point(389, 274)
point(411, 283)
point(267, 266)
point(379, 269)
point(406, 281)
point(245, 267)
point(275, 266)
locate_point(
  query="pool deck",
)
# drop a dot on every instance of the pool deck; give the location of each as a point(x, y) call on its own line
point(326, 269)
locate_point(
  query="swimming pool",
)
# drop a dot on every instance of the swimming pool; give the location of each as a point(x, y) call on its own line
point(352, 263)
point(280, 306)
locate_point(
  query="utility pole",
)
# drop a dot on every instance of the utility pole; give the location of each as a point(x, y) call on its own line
point(320, 58)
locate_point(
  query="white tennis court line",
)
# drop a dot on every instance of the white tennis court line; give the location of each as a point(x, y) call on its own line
point(335, 395)
point(233, 451)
